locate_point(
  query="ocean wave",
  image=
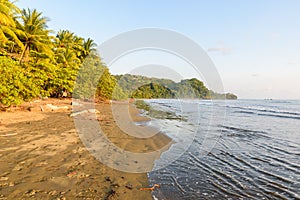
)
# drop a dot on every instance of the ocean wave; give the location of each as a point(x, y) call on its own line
point(268, 110)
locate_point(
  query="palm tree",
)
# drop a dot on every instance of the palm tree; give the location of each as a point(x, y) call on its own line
point(8, 15)
point(35, 33)
point(89, 47)
point(67, 57)
point(64, 39)
point(82, 47)
point(66, 46)
point(78, 46)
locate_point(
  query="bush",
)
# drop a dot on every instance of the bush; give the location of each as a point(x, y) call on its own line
point(16, 85)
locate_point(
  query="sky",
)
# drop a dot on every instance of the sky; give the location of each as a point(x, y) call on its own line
point(254, 44)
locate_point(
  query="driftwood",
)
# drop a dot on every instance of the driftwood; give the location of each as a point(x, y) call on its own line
point(36, 109)
point(151, 188)
point(84, 111)
point(74, 103)
point(52, 107)
point(10, 134)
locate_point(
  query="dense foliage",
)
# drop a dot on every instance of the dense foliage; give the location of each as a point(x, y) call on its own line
point(153, 91)
point(37, 62)
point(144, 87)
point(16, 83)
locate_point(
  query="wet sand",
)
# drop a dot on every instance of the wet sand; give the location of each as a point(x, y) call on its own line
point(42, 156)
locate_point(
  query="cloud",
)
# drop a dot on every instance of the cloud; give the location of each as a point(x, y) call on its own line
point(223, 50)
point(292, 63)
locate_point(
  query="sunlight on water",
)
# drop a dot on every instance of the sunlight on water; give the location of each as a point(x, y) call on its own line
point(256, 155)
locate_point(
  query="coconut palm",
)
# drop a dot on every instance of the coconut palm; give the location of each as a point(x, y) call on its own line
point(67, 57)
point(82, 47)
point(64, 39)
point(35, 34)
point(8, 15)
point(89, 47)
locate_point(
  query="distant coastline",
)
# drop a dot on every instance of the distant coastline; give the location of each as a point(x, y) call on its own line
point(142, 87)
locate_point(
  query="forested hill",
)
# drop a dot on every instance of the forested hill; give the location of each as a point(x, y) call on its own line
point(137, 86)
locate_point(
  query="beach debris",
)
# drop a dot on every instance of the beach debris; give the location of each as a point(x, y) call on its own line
point(110, 193)
point(53, 193)
point(107, 178)
point(52, 107)
point(115, 185)
point(151, 188)
point(78, 113)
point(4, 178)
point(74, 103)
point(64, 94)
point(31, 192)
point(129, 186)
point(35, 109)
point(108, 101)
point(9, 134)
point(84, 111)
point(17, 168)
point(71, 174)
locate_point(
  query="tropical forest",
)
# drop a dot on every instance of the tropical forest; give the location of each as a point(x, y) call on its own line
point(37, 62)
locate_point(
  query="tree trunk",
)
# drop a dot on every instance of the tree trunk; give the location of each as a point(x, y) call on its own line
point(23, 52)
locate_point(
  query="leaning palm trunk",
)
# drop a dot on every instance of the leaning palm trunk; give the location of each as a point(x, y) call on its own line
point(23, 52)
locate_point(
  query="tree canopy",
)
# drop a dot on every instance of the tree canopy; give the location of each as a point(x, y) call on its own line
point(38, 62)
point(49, 61)
point(142, 87)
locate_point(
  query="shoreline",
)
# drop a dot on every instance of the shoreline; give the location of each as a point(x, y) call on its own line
point(42, 156)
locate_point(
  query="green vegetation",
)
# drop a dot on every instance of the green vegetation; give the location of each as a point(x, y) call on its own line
point(37, 62)
point(153, 91)
point(16, 83)
point(142, 87)
point(158, 114)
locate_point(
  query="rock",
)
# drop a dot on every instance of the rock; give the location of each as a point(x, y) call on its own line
point(115, 185)
point(107, 178)
point(129, 186)
point(35, 109)
point(64, 94)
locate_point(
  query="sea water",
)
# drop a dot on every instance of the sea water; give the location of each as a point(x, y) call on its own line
point(238, 149)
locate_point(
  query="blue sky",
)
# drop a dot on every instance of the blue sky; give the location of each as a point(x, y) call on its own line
point(254, 44)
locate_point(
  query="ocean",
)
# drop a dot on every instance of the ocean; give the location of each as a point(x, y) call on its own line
point(234, 149)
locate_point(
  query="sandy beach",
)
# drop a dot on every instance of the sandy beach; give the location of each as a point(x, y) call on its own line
point(42, 156)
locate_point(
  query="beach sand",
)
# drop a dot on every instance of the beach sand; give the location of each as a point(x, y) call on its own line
point(42, 156)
